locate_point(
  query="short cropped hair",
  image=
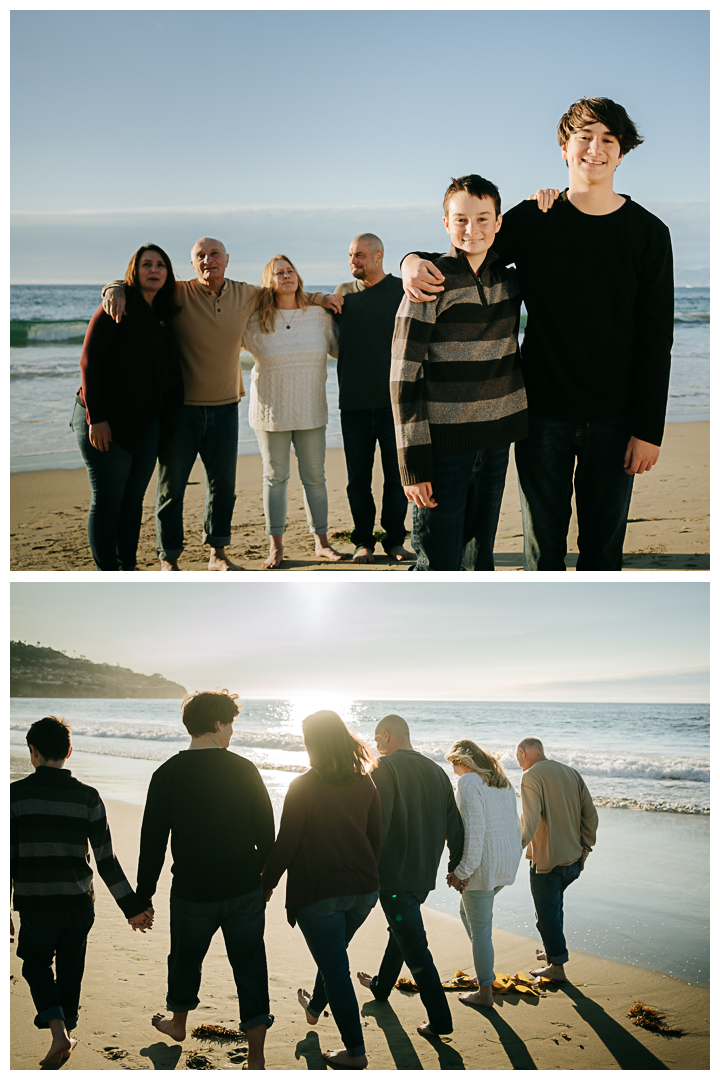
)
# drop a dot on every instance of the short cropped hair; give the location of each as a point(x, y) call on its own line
point(531, 744)
point(474, 185)
point(50, 737)
point(393, 724)
point(599, 110)
point(374, 241)
point(201, 710)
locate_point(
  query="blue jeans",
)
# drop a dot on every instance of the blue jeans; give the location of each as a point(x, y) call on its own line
point(328, 926)
point(361, 430)
point(407, 944)
point(547, 893)
point(546, 462)
point(212, 432)
point(61, 935)
point(476, 912)
point(192, 927)
point(459, 533)
point(118, 481)
point(310, 453)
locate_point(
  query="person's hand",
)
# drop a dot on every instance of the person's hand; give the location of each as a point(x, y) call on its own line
point(100, 435)
point(421, 279)
point(333, 302)
point(420, 494)
point(545, 197)
point(268, 894)
point(582, 861)
point(460, 884)
point(113, 303)
point(640, 456)
point(144, 921)
point(12, 930)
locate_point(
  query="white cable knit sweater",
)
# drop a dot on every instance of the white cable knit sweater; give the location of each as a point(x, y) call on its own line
point(493, 834)
point(287, 383)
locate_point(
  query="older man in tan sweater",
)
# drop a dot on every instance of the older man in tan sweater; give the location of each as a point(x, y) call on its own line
point(209, 328)
point(559, 823)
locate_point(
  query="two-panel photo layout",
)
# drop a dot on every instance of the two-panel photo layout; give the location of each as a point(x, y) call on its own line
point(299, 293)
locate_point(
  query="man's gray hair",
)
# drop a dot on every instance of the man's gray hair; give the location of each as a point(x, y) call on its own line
point(206, 239)
point(371, 239)
point(394, 725)
point(531, 744)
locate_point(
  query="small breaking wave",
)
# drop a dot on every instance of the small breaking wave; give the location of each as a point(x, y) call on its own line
point(25, 332)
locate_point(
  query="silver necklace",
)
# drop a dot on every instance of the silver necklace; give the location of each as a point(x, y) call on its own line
point(288, 324)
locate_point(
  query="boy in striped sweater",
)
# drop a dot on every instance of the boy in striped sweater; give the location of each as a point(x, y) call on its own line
point(457, 388)
point(52, 818)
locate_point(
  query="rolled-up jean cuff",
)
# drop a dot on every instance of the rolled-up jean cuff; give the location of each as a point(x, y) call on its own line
point(321, 530)
point(356, 1051)
point(267, 1018)
point(168, 554)
point(215, 541)
point(558, 959)
point(174, 1007)
point(277, 530)
point(55, 1012)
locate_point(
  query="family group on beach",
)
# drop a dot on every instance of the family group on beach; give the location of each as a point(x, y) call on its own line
point(354, 830)
point(434, 375)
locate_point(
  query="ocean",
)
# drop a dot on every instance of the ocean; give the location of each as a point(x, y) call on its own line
point(644, 898)
point(48, 323)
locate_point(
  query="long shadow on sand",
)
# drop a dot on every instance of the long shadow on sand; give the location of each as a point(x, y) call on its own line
point(516, 1050)
point(624, 1047)
point(162, 1056)
point(399, 1044)
point(309, 1048)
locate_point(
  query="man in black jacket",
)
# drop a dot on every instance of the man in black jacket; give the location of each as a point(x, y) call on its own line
point(218, 811)
point(596, 277)
point(419, 815)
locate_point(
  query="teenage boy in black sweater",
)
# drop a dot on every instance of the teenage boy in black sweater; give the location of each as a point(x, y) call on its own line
point(596, 277)
point(218, 811)
point(52, 818)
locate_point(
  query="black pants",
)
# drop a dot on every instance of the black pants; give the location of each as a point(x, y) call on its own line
point(62, 936)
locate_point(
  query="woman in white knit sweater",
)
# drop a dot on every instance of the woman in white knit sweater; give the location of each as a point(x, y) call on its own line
point(493, 849)
point(290, 340)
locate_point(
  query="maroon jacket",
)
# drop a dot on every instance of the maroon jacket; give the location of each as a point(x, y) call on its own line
point(329, 841)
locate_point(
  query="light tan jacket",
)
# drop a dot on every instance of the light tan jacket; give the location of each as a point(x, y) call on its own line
point(559, 819)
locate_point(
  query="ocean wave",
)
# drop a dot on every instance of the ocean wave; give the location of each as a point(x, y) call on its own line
point(55, 370)
point(40, 331)
point(660, 806)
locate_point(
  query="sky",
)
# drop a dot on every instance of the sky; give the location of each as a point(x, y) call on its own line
point(293, 130)
point(539, 641)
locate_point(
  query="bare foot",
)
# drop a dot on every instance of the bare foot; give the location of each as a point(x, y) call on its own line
point(401, 554)
point(323, 550)
point(426, 1030)
point(169, 564)
point(220, 561)
point(304, 999)
point(556, 972)
point(169, 1025)
point(540, 954)
point(363, 555)
point(60, 1050)
point(364, 979)
point(275, 555)
point(343, 1059)
point(484, 1001)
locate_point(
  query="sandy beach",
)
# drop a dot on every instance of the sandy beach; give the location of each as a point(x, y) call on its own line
point(125, 984)
point(669, 525)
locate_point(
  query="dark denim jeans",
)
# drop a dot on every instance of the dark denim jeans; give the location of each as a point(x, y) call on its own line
point(459, 533)
point(407, 943)
point(546, 461)
point(118, 481)
point(361, 430)
point(212, 432)
point(547, 893)
point(192, 927)
point(61, 935)
point(328, 926)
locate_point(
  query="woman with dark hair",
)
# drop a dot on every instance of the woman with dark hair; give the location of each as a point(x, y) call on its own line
point(131, 385)
point(329, 843)
point(491, 854)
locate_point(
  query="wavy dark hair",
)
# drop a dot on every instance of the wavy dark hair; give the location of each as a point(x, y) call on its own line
point(600, 110)
point(164, 302)
point(336, 755)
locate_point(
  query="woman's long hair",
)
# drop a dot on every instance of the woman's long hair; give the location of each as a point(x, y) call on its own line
point(164, 302)
point(466, 752)
point(267, 302)
point(337, 755)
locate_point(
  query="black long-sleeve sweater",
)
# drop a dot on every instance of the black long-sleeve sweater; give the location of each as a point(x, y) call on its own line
point(600, 301)
point(219, 813)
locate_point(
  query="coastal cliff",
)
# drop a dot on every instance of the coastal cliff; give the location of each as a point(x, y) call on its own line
point(39, 672)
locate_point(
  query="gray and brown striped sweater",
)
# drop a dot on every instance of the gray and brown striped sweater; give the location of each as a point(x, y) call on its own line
point(52, 818)
point(455, 379)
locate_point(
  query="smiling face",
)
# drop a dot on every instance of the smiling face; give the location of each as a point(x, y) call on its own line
point(365, 260)
point(151, 272)
point(472, 224)
point(592, 154)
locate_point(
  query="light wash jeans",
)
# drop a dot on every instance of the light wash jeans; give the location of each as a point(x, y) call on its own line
point(476, 910)
point(310, 453)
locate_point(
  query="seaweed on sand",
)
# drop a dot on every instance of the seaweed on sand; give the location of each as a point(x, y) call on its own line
point(647, 1017)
